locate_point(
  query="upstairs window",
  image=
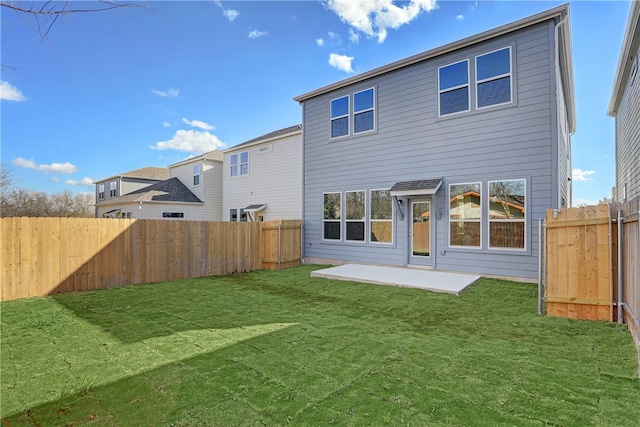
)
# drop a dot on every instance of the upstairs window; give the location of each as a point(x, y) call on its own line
point(363, 111)
point(493, 78)
point(240, 164)
point(453, 88)
point(507, 214)
point(340, 117)
point(196, 175)
point(101, 192)
point(113, 188)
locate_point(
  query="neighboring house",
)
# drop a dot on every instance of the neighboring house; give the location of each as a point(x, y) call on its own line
point(193, 192)
point(625, 107)
point(119, 185)
point(446, 159)
point(263, 177)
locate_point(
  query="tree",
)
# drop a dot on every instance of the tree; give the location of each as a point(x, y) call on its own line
point(41, 16)
point(28, 203)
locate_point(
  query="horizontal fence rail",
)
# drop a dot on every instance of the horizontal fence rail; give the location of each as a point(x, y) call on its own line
point(41, 256)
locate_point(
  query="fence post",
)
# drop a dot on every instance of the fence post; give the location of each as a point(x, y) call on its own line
point(280, 245)
point(620, 266)
point(541, 271)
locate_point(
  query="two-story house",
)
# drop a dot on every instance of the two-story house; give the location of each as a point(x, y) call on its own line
point(193, 191)
point(625, 107)
point(125, 183)
point(446, 159)
point(263, 177)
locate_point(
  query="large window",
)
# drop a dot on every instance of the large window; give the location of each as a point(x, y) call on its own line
point(332, 216)
point(240, 164)
point(507, 214)
point(355, 215)
point(113, 188)
point(381, 216)
point(465, 212)
point(196, 175)
point(100, 191)
point(493, 78)
point(340, 117)
point(237, 215)
point(363, 111)
point(453, 88)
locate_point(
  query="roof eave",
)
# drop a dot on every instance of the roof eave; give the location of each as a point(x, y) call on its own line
point(560, 11)
point(247, 144)
point(631, 38)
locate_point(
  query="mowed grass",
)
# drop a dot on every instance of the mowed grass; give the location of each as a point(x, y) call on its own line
point(282, 348)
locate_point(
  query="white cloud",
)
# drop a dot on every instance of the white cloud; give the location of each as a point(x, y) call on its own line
point(373, 18)
point(341, 62)
point(230, 14)
point(62, 168)
point(353, 36)
point(198, 124)
point(460, 17)
point(583, 202)
point(190, 141)
point(171, 93)
point(84, 181)
point(10, 93)
point(320, 42)
point(580, 175)
point(256, 34)
point(166, 124)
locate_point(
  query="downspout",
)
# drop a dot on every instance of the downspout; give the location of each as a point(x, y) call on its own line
point(541, 264)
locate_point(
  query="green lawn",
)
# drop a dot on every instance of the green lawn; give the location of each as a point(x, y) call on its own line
point(276, 348)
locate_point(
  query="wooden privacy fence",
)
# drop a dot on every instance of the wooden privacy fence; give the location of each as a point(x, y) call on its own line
point(41, 256)
point(590, 263)
point(579, 263)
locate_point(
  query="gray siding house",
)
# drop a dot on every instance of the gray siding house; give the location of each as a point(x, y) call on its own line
point(625, 107)
point(446, 159)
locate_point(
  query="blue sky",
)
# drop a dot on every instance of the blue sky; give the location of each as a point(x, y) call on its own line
point(109, 92)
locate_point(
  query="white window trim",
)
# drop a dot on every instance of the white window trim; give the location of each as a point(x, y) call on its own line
point(238, 164)
point(479, 220)
point(449, 89)
point(370, 220)
point(372, 109)
point(113, 188)
point(363, 220)
point(525, 220)
point(348, 116)
point(339, 221)
point(100, 191)
point(509, 74)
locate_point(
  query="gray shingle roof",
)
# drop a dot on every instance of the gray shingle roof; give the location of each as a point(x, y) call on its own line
point(149, 172)
point(275, 133)
point(170, 190)
point(422, 186)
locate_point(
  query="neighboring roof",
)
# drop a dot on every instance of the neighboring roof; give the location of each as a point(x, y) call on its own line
point(149, 172)
point(560, 13)
point(266, 137)
point(627, 55)
point(415, 188)
point(211, 155)
point(170, 190)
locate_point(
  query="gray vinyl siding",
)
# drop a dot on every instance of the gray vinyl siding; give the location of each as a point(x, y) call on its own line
point(627, 124)
point(128, 185)
point(411, 142)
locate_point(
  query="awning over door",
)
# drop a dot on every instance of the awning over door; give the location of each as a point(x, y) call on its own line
point(420, 187)
point(256, 208)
